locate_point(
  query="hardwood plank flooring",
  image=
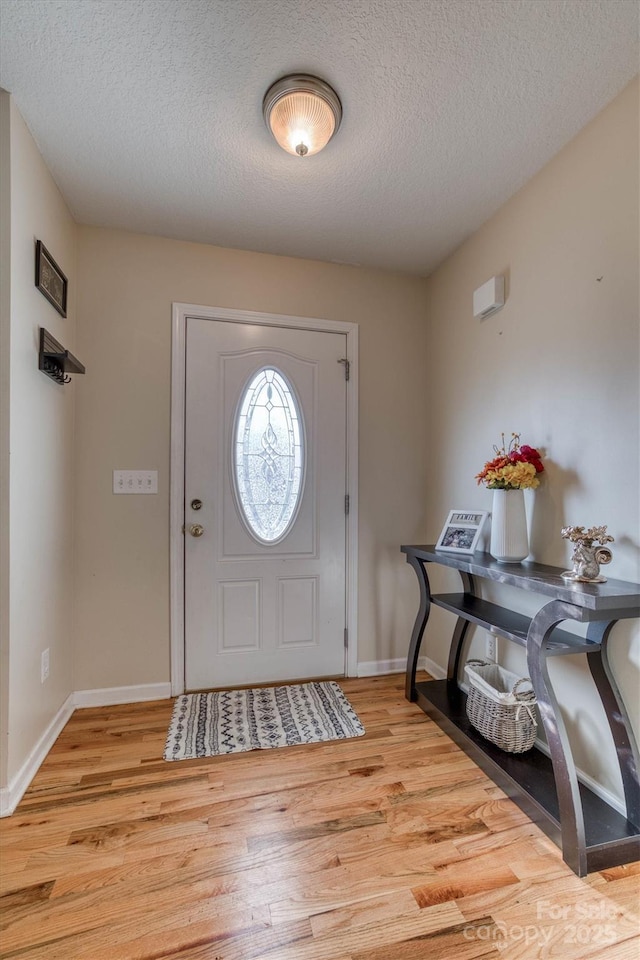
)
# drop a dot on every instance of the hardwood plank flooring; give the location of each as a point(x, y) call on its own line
point(391, 846)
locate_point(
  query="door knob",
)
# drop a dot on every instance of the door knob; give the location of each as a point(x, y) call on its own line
point(196, 529)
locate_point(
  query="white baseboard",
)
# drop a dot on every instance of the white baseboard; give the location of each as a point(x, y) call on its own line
point(110, 696)
point(11, 795)
point(432, 668)
point(614, 801)
point(378, 668)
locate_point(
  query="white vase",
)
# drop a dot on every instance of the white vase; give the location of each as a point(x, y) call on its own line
point(509, 538)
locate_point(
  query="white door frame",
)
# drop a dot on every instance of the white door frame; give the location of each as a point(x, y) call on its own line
point(180, 312)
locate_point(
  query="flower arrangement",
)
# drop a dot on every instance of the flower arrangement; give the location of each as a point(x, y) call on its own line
point(514, 467)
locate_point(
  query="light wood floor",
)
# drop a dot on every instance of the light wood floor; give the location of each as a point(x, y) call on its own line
point(393, 846)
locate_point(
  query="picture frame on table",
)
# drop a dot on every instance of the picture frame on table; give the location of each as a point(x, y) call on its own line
point(50, 280)
point(462, 531)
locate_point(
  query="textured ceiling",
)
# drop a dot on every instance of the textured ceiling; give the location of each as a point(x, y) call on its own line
point(148, 113)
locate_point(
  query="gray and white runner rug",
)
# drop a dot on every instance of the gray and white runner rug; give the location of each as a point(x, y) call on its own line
point(232, 721)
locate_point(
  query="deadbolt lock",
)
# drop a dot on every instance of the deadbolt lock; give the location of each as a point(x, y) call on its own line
point(196, 529)
point(196, 504)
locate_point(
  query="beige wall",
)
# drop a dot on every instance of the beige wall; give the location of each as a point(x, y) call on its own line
point(127, 285)
point(5, 347)
point(559, 363)
point(42, 462)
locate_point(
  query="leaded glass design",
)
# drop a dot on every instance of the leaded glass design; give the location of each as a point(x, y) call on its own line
point(269, 455)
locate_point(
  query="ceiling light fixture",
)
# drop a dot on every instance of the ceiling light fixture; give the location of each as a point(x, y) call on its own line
point(302, 112)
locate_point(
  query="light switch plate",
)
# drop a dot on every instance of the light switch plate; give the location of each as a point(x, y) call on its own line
point(135, 481)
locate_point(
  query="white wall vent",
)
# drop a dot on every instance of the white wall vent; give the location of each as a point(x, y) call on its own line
point(488, 298)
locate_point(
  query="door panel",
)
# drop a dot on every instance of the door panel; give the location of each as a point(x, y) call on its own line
point(259, 611)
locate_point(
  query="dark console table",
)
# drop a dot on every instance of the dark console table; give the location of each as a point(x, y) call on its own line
point(591, 833)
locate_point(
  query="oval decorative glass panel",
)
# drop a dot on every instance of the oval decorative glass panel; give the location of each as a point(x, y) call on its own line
point(269, 456)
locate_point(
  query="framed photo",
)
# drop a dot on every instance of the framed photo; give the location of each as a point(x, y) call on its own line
point(50, 280)
point(462, 531)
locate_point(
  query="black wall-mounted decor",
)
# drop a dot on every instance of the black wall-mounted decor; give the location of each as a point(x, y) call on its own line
point(55, 361)
point(50, 280)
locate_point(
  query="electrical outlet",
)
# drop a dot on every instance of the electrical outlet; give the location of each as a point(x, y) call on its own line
point(491, 648)
point(44, 665)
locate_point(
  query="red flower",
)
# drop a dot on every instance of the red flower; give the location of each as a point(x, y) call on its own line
point(527, 454)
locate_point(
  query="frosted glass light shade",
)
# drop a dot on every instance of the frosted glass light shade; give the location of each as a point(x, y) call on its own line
point(303, 113)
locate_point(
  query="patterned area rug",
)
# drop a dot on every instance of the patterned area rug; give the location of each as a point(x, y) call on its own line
point(232, 721)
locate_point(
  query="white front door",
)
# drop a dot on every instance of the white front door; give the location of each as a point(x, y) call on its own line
point(265, 456)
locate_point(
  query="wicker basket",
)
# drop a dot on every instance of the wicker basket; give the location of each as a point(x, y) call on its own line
point(498, 709)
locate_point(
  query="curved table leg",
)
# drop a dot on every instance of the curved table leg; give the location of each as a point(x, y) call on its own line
point(418, 627)
point(621, 730)
point(459, 633)
point(574, 850)
point(455, 650)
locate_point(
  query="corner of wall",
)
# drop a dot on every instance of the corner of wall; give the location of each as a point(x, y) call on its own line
point(5, 387)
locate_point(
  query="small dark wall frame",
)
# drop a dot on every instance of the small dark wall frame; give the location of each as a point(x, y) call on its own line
point(50, 280)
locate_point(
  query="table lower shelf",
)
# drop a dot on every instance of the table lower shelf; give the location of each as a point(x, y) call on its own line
point(507, 623)
point(527, 778)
